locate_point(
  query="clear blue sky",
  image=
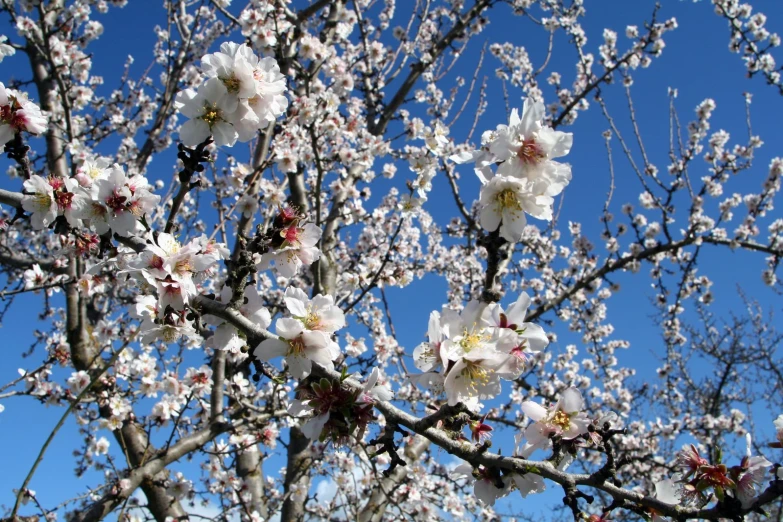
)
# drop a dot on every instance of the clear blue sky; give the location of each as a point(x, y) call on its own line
point(696, 61)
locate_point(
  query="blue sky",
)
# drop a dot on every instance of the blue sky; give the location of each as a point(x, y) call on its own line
point(696, 61)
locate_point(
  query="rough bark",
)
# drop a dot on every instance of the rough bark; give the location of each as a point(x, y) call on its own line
point(130, 437)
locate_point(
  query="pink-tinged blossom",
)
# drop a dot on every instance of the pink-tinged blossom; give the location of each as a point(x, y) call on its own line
point(564, 419)
point(18, 114)
point(298, 249)
point(523, 337)
point(527, 148)
point(78, 381)
point(47, 198)
point(479, 431)
point(750, 475)
point(300, 347)
point(690, 460)
point(115, 203)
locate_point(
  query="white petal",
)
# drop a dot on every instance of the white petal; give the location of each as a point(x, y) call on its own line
point(300, 367)
point(288, 327)
point(489, 218)
point(529, 483)
point(312, 429)
point(270, 348)
point(296, 301)
point(666, 491)
point(571, 401)
point(193, 132)
point(533, 410)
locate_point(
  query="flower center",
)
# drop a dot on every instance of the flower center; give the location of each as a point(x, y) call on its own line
point(561, 420)
point(530, 152)
point(296, 347)
point(291, 234)
point(64, 199)
point(170, 334)
point(471, 340)
point(475, 374)
point(232, 84)
point(116, 201)
point(183, 266)
point(211, 115)
point(42, 200)
point(312, 321)
point(518, 352)
point(507, 199)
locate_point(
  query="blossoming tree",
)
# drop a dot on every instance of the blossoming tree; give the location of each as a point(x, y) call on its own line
point(247, 302)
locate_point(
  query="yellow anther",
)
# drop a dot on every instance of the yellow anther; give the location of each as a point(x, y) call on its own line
point(561, 419)
point(507, 199)
point(211, 115)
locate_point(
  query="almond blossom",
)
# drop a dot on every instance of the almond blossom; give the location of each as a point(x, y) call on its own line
point(18, 114)
point(527, 337)
point(115, 202)
point(504, 202)
point(320, 313)
point(428, 356)
point(488, 487)
point(526, 149)
point(750, 475)
point(297, 249)
point(211, 112)
point(565, 419)
point(241, 96)
point(477, 374)
point(300, 347)
point(40, 201)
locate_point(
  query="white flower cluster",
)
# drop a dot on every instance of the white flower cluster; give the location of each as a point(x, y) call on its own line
point(297, 250)
point(307, 335)
point(18, 114)
point(173, 271)
point(527, 177)
point(242, 95)
point(468, 353)
point(102, 198)
point(564, 419)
